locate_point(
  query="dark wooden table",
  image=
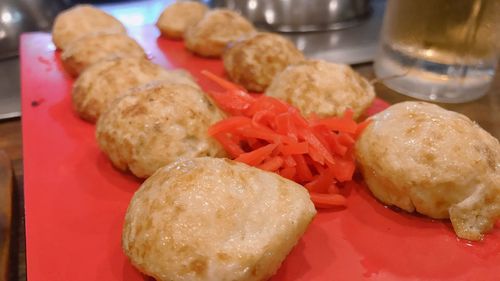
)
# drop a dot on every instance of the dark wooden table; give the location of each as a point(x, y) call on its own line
point(11, 144)
point(485, 111)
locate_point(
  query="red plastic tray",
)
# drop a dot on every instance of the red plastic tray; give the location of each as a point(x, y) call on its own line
point(75, 200)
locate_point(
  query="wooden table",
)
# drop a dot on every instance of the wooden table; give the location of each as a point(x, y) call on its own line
point(11, 143)
point(484, 111)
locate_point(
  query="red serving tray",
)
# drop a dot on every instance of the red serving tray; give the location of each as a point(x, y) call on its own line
point(75, 200)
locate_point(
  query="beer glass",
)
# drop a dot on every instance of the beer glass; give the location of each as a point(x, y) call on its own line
point(439, 50)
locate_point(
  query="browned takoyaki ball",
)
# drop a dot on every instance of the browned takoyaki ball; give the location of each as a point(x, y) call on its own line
point(81, 20)
point(156, 124)
point(215, 30)
point(322, 88)
point(178, 17)
point(101, 83)
point(420, 157)
point(93, 48)
point(207, 219)
point(254, 61)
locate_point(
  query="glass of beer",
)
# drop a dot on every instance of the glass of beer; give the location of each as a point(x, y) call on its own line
point(439, 50)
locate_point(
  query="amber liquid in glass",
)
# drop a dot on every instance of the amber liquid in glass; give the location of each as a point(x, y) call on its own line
point(442, 50)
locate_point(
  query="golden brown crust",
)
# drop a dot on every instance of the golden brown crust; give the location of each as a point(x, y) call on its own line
point(96, 47)
point(96, 88)
point(215, 30)
point(254, 61)
point(214, 220)
point(418, 156)
point(322, 88)
point(156, 124)
point(176, 18)
point(81, 20)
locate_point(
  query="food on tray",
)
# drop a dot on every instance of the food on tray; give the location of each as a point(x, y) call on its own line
point(214, 219)
point(96, 47)
point(254, 61)
point(215, 30)
point(81, 20)
point(272, 135)
point(102, 82)
point(322, 88)
point(156, 124)
point(421, 157)
point(176, 18)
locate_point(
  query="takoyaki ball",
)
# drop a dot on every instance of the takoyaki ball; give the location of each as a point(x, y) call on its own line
point(92, 48)
point(215, 30)
point(420, 157)
point(253, 62)
point(155, 124)
point(101, 83)
point(214, 219)
point(323, 88)
point(176, 18)
point(81, 20)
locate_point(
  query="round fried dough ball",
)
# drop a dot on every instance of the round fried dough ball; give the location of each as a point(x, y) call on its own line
point(156, 124)
point(214, 219)
point(323, 88)
point(419, 156)
point(81, 20)
point(96, 47)
point(254, 61)
point(96, 88)
point(176, 18)
point(215, 30)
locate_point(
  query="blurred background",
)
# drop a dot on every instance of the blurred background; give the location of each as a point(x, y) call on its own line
point(335, 30)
